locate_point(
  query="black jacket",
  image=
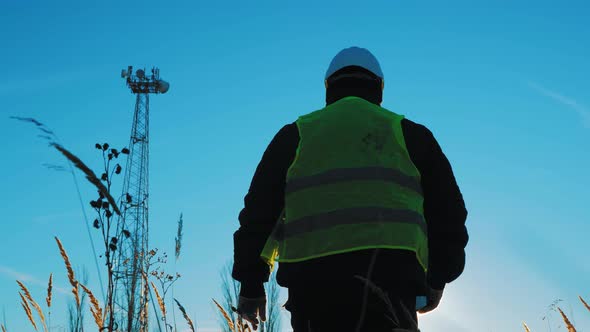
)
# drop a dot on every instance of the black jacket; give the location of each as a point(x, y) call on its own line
point(444, 210)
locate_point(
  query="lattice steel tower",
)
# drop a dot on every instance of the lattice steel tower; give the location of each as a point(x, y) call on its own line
point(133, 227)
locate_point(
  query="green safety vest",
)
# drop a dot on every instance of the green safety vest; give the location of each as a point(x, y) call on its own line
point(351, 186)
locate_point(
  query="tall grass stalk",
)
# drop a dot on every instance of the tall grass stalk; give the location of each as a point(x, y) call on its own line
point(71, 275)
point(568, 324)
point(370, 285)
point(160, 301)
point(584, 302)
point(526, 327)
point(105, 212)
point(230, 322)
point(86, 223)
point(95, 308)
point(155, 309)
point(53, 139)
point(27, 309)
point(165, 282)
point(553, 307)
point(143, 314)
point(48, 299)
point(177, 247)
point(230, 296)
point(366, 291)
point(3, 325)
point(185, 315)
point(90, 176)
point(33, 303)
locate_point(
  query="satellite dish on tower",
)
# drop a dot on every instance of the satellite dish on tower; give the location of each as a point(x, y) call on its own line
point(163, 86)
point(140, 73)
point(141, 84)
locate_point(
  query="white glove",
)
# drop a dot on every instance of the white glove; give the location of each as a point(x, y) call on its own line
point(250, 309)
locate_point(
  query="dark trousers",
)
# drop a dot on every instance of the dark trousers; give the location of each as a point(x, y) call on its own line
point(338, 307)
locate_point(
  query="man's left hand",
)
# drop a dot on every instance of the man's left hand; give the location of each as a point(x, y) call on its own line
point(433, 300)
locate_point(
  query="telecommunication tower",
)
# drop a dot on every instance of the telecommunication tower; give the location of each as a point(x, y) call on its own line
point(131, 263)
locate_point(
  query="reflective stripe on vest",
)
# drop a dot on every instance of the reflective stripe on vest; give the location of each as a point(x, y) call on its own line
point(363, 215)
point(352, 174)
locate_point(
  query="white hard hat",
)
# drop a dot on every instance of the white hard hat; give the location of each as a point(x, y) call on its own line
point(355, 56)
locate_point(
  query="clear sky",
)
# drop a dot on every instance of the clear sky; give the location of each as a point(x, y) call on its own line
point(503, 85)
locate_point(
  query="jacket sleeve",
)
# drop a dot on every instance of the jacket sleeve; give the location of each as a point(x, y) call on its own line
point(444, 211)
point(262, 207)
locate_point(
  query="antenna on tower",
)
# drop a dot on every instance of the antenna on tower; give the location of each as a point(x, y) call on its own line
point(132, 260)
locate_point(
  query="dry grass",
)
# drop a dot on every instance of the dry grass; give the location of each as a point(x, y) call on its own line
point(143, 315)
point(89, 175)
point(71, 276)
point(526, 328)
point(49, 298)
point(226, 316)
point(49, 291)
point(178, 239)
point(107, 311)
point(25, 290)
point(186, 317)
point(95, 308)
point(77, 287)
point(568, 324)
point(33, 303)
point(28, 311)
point(383, 296)
point(160, 300)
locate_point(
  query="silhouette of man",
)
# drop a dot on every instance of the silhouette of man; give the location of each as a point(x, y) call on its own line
point(360, 208)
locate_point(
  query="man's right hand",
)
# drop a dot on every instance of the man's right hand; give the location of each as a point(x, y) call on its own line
point(433, 299)
point(251, 309)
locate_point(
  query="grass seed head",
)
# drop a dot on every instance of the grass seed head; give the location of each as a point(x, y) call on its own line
point(95, 309)
point(526, 327)
point(89, 175)
point(32, 302)
point(568, 324)
point(186, 317)
point(160, 300)
point(49, 291)
point(28, 311)
point(71, 276)
point(226, 316)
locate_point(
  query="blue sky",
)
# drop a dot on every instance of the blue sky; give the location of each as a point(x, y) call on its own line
point(502, 84)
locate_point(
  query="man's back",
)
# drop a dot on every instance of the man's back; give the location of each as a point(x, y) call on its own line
point(443, 207)
point(398, 272)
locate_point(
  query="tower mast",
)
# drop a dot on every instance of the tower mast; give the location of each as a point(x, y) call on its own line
point(133, 228)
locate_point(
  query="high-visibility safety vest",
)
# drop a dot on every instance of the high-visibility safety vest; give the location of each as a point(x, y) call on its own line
point(351, 186)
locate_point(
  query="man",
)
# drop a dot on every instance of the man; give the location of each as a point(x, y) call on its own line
point(361, 209)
